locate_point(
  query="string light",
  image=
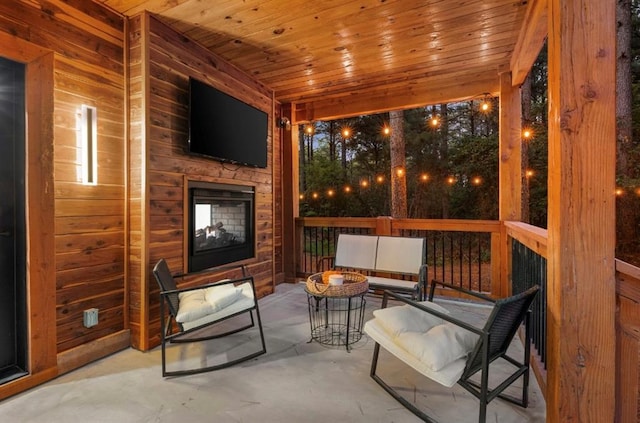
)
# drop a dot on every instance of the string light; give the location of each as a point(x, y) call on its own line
point(346, 133)
point(619, 192)
point(379, 179)
point(315, 195)
point(400, 172)
point(347, 189)
point(302, 196)
point(434, 121)
point(477, 180)
point(309, 129)
point(529, 173)
point(527, 133)
point(330, 193)
point(424, 177)
point(386, 130)
point(364, 183)
point(450, 180)
point(485, 104)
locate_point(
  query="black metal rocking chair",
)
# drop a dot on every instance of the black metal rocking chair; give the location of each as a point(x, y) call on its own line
point(492, 343)
point(219, 301)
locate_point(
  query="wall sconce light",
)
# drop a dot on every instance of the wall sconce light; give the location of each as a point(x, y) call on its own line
point(89, 144)
point(284, 123)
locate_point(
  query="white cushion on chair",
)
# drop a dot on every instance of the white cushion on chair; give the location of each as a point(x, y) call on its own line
point(222, 296)
point(440, 345)
point(199, 303)
point(400, 319)
point(244, 302)
point(447, 376)
point(192, 306)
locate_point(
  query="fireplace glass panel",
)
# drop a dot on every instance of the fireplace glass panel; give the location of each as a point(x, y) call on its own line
point(220, 224)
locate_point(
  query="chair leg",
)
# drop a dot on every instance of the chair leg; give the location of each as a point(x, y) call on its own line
point(409, 406)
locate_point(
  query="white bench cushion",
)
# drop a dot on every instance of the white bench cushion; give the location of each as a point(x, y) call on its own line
point(380, 282)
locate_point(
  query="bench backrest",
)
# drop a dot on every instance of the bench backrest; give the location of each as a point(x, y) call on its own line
point(357, 251)
point(390, 254)
point(400, 255)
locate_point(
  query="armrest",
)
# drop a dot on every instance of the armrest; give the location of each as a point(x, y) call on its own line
point(214, 270)
point(320, 262)
point(459, 289)
point(415, 304)
point(209, 285)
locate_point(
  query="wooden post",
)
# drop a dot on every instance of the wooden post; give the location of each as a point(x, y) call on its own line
point(510, 150)
point(581, 222)
point(510, 175)
point(290, 193)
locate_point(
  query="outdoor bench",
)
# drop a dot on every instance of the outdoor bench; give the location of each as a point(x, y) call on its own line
point(391, 263)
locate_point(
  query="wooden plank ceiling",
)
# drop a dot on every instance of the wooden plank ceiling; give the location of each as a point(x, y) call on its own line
point(333, 58)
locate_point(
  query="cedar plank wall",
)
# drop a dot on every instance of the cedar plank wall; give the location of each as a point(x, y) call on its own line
point(87, 42)
point(161, 62)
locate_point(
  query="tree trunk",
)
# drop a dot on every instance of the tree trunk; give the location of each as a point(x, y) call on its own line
point(398, 166)
point(526, 118)
point(627, 213)
point(623, 85)
point(444, 157)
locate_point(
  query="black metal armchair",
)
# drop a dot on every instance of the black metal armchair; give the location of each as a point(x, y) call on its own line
point(474, 350)
point(187, 310)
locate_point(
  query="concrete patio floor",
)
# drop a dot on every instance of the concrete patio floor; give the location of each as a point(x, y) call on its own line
point(296, 381)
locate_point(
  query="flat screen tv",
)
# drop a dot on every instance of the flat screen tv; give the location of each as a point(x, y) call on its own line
point(224, 128)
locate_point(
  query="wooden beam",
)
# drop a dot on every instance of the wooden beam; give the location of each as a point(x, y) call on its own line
point(530, 40)
point(398, 99)
point(581, 223)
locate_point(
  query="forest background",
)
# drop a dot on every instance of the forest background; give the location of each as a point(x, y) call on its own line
point(447, 155)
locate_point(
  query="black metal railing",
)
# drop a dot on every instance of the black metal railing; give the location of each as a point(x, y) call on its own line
point(456, 257)
point(529, 269)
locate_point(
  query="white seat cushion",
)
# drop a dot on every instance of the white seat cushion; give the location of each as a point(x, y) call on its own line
point(380, 282)
point(244, 302)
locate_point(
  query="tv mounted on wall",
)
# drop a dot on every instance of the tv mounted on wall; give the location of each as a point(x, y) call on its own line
point(224, 128)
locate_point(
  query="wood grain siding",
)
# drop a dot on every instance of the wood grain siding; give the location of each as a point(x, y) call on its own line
point(161, 63)
point(74, 56)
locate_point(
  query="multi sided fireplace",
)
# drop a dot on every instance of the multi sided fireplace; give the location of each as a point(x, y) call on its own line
point(221, 228)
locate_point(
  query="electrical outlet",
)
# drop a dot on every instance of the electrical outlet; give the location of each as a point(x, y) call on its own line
point(90, 317)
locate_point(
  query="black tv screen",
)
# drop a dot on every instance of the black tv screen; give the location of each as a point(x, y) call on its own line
point(224, 128)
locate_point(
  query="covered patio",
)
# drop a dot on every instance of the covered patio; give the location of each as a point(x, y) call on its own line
point(305, 61)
